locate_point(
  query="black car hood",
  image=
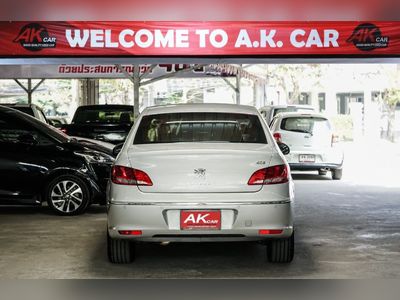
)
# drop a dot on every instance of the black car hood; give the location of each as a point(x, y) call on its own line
point(82, 145)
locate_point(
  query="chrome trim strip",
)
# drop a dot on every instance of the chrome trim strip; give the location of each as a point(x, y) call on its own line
point(200, 204)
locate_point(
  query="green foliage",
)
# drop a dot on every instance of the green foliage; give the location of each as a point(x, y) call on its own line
point(343, 125)
point(392, 96)
point(289, 77)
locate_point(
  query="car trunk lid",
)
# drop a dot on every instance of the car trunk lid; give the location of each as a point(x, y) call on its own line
point(200, 167)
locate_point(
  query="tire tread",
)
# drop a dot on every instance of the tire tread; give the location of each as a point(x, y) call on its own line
point(120, 251)
point(281, 250)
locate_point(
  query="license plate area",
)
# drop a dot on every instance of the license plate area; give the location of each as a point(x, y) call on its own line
point(306, 158)
point(200, 220)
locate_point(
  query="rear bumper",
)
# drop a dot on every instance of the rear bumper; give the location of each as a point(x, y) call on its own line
point(240, 221)
point(331, 159)
point(313, 167)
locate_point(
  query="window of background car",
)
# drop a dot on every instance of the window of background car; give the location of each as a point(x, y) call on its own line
point(292, 109)
point(12, 130)
point(306, 125)
point(104, 116)
point(200, 127)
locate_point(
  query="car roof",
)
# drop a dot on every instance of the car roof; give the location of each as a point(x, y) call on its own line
point(108, 106)
point(201, 107)
point(288, 105)
point(17, 105)
point(301, 114)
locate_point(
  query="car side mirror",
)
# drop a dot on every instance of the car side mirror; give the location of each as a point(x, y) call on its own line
point(117, 149)
point(284, 148)
point(27, 139)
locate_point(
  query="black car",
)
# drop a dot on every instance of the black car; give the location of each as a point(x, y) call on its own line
point(38, 163)
point(109, 123)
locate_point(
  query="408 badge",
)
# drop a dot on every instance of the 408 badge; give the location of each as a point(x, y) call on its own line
point(368, 37)
point(35, 37)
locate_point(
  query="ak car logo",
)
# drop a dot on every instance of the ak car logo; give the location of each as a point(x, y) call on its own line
point(200, 172)
point(35, 37)
point(368, 37)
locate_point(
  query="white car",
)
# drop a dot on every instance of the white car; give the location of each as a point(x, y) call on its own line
point(312, 142)
point(270, 111)
point(200, 173)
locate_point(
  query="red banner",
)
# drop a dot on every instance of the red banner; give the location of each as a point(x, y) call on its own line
point(30, 39)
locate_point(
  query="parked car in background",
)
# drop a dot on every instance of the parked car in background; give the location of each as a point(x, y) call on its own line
point(39, 163)
point(312, 142)
point(57, 121)
point(36, 112)
point(30, 109)
point(270, 111)
point(109, 123)
point(200, 172)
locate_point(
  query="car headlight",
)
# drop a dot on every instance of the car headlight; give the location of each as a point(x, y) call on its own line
point(96, 157)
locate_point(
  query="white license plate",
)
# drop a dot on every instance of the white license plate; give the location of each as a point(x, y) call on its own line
point(306, 158)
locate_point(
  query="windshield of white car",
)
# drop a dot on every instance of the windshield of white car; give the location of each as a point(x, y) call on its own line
point(310, 125)
point(206, 127)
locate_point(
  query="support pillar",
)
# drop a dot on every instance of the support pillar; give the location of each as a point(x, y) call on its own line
point(238, 81)
point(136, 91)
point(88, 92)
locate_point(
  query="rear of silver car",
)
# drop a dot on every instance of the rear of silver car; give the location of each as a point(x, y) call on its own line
point(200, 188)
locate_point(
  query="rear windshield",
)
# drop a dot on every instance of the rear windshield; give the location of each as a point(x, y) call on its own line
point(306, 125)
point(292, 109)
point(200, 127)
point(104, 116)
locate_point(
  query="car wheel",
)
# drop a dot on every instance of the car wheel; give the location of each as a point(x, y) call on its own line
point(281, 250)
point(68, 195)
point(322, 172)
point(120, 251)
point(337, 174)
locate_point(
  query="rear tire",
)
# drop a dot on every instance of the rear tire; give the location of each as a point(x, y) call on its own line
point(120, 251)
point(281, 250)
point(337, 174)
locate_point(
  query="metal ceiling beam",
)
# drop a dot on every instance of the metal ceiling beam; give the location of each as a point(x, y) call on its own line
point(29, 90)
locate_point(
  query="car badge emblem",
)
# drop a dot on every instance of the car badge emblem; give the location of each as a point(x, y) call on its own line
point(200, 172)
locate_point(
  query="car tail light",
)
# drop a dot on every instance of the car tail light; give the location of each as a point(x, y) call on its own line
point(269, 231)
point(335, 139)
point(278, 137)
point(130, 232)
point(271, 175)
point(129, 176)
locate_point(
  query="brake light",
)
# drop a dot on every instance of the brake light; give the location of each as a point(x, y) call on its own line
point(271, 175)
point(128, 176)
point(278, 137)
point(130, 232)
point(335, 139)
point(269, 231)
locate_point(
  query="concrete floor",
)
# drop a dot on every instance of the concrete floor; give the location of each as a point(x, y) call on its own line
point(343, 231)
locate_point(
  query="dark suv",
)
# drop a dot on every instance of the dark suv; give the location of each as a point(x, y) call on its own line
point(108, 123)
point(38, 163)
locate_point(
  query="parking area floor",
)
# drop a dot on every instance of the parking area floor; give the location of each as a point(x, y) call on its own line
point(343, 230)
